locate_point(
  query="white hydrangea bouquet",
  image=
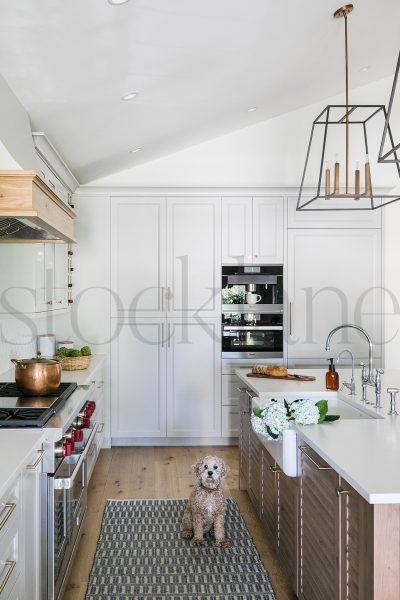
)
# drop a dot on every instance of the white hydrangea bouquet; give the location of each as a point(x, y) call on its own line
point(277, 415)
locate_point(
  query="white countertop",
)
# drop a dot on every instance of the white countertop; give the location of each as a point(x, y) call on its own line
point(82, 377)
point(15, 448)
point(365, 452)
point(17, 444)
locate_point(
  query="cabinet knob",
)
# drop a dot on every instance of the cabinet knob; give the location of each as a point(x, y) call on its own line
point(341, 492)
point(49, 302)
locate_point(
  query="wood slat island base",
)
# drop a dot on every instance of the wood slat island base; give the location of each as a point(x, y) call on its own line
point(330, 542)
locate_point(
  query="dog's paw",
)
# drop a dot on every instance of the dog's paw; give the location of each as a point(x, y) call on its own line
point(197, 541)
point(187, 534)
point(224, 543)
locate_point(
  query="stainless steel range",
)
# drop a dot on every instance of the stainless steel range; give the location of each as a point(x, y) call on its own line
point(68, 419)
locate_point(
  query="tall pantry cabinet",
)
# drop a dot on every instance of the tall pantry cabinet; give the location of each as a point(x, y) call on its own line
point(165, 276)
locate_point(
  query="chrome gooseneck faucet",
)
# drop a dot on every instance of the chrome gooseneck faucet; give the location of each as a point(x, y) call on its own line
point(366, 378)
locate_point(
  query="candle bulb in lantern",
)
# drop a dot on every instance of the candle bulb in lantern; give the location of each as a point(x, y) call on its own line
point(336, 189)
point(357, 182)
point(367, 177)
point(327, 181)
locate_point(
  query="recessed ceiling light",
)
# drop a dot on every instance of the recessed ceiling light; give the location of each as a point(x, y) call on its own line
point(135, 150)
point(363, 69)
point(116, 2)
point(129, 96)
point(252, 109)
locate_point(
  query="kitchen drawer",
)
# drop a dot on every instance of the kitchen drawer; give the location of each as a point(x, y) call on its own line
point(10, 511)
point(230, 421)
point(230, 390)
point(10, 563)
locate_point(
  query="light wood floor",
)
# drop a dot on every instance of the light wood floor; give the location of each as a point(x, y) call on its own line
point(160, 472)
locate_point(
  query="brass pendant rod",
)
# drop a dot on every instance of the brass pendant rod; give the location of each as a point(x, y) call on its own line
point(347, 102)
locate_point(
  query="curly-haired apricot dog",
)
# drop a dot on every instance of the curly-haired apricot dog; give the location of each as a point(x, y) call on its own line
point(206, 507)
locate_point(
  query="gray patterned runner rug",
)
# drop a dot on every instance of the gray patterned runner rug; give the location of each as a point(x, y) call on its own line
point(141, 555)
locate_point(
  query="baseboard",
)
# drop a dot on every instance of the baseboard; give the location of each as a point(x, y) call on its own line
point(232, 441)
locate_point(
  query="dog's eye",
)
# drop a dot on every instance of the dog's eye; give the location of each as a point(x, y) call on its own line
point(215, 467)
point(205, 466)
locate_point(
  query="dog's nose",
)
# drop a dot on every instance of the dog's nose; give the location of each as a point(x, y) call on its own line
point(210, 473)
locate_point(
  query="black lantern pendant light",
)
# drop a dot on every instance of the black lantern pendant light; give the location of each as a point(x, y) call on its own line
point(340, 133)
point(393, 154)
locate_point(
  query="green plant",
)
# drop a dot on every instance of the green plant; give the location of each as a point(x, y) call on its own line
point(86, 351)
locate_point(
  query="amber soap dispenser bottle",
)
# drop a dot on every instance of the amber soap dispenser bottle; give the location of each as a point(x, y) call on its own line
point(332, 377)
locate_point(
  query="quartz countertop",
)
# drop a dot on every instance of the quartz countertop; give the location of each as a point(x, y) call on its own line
point(82, 377)
point(365, 452)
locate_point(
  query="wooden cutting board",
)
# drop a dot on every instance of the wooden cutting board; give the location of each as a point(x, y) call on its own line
point(288, 377)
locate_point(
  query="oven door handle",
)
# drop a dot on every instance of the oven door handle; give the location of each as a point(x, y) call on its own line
point(66, 483)
point(253, 328)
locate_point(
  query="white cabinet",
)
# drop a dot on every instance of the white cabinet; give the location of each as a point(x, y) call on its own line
point(34, 277)
point(166, 379)
point(237, 230)
point(252, 230)
point(331, 219)
point(194, 256)
point(138, 255)
point(20, 531)
point(165, 256)
point(31, 519)
point(334, 277)
point(139, 383)
point(194, 378)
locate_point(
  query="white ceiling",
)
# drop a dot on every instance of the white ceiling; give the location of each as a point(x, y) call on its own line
point(198, 66)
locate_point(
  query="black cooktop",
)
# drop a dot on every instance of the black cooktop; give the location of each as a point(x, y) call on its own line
point(17, 410)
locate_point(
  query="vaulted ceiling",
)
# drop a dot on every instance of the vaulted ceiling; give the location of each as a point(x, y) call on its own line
point(197, 65)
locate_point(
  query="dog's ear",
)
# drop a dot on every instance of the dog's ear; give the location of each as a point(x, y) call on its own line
point(196, 466)
point(224, 469)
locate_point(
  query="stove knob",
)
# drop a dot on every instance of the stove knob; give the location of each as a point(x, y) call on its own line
point(88, 411)
point(78, 422)
point(92, 405)
point(78, 435)
point(67, 447)
point(86, 423)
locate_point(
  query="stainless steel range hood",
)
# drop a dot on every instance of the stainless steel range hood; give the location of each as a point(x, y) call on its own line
point(30, 211)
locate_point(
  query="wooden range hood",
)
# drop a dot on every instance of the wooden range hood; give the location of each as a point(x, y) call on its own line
point(30, 211)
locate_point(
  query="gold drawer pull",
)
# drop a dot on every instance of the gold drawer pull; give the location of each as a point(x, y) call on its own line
point(303, 451)
point(39, 459)
point(10, 564)
point(275, 469)
point(10, 506)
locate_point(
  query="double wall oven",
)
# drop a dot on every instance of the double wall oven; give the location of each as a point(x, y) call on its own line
point(252, 330)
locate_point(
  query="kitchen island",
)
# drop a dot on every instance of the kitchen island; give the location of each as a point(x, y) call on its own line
point(336, 524)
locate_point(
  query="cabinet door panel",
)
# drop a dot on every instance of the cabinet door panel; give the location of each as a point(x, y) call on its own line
point(138, 262)
point(269, 515)
point(268, 230)
point(194, 378)
point(256, 472)
point(287, 526)
point(245, 428)
point(194, 256)
point(356, 552)
point(139, 380)
point(237, 226)
point(319, 530)
point(334, 277)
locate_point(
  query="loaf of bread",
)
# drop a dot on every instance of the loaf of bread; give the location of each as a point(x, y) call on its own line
point(273, 370)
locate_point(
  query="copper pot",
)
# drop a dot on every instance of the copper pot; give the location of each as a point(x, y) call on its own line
point(37, 376)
